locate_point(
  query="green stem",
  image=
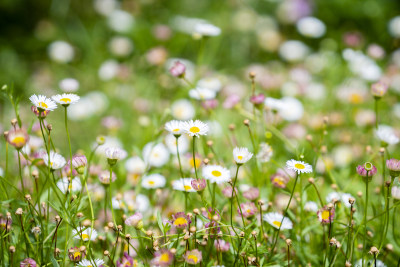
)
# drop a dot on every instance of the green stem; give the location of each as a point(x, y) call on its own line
point(194, 156)
point(20, 172)
point(365, 219)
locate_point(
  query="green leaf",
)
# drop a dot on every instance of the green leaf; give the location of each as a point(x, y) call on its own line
point(159, 221)
point(55, 263)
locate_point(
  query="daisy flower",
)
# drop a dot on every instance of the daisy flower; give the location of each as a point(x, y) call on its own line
point(278, 220)
point(366, 170)
point(75, 254)
point(180, 220)
point(193, 256)
point(265, 153)
point(175, 127)
point(28, 262)
point(393, 166)
point(65, 185)
point(134, 220)
point(311, 206)
point(199, 93)
point(247, 209)
point(104, 177)
point(199, 184)
point(88, 263)
point(65, 99)
point(183, 184)
point(18, 138)
point(42, 103)
point(195, 128)
point(326, 216)
point(206, 29)
point(216, 174)
point(85, 234)
point(115, 153)
point(162, 258)
point(56, 160)
point(221, 245)
point(155, 155)
point(241, 155)
point(387, 135)
point(298, 166)
point(153, 181)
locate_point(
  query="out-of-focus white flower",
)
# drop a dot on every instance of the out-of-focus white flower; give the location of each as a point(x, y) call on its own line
point(155, 154)
point(120, 46)
point(120, 21)
point(277, 220)
point(342, 155)
point(183, 184)
point(265, 153)
point(115, 153)
point(315, 91)
point(135, 165)
point(291, 109)
point(362, 65)
point(55, 161)
point(211, 83)
point(108, 70)
point(153, 181)
point(84, 234)
point(73, 186)
point(89, 105)
point(293, 51)
point(183, 110)
point(386, 134)
point(394, 27)
point(69, 85)
point(61, 51)
point(206, 29)
point(183, 143)
point(199, 93)
point(311, 27)
point(174, 127)
point(311, 206)
point(342, 197)
point(105, 7)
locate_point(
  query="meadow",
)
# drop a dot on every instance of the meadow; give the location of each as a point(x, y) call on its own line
point(199, 133)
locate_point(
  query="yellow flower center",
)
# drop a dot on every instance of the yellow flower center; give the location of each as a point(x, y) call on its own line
point(240, 157)
point(276, 223)
point(216, 173)
point(19, 140)
point(198, 162)
point(65, 100)
point(151, 182)
point(77, 254)
point(85, 236)
point(195, 129)
point(325, 215)
point(164, 257)
point(355, 98)
point(187, 187)
point(180, 221)
point(193, 258)
point(299, 166)
point(176, 130)
point(279, 180)
point(43, 105)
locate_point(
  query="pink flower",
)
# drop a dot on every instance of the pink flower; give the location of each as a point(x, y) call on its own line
point(366, 170)
point(326, 216)
point(248, 209)
point(231, 101)
point(125, 261)
point(257, 99)
point(210, 104)
point(252, 194)
point(379, 89)
point(178, 69)
point(180, 220)
point(199, 184)
point(227, 191)
point(135, 220)
point(221, 245)
point(28, 262)
point(393, 166)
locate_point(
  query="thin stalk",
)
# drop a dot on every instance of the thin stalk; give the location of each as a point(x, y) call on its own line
point(20, 172)
point(365, 219)
point(194, 156)
point(69, 144)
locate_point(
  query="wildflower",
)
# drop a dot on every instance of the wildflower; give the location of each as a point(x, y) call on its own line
point(36, 230)
point(64, 184)
point(135, 220)
point(311, 27)
point(69, 85)
point(252, 193)
point(104, 177)
point(195, 128)
point(178, 69)
point(75, 254)
point(366, 170)
point(216, 174)
point(248, 209)
point(135, 165)
point(42, 103)
point(85, 234)
point(326, 214)
point(277, 220)
point(183, 109)
point(18, 138)
point(28, 262)
point(199, 184)
point(378, 90)
point(153, 181)
point(241, 155)
point(211, 213)
point(174, 127)
point(396, 192)
point(299, 166)
point(155, 155)
point(393, 166)
point(79, 163)
point(183, 184)
point(180, 220)
point(265, 153)
point(89, 263)
point(114, 154)
point(207, 29)
point(5, 223)
point(227, 191)
point(221, 245)
point(212, 228)
point(281, 178)
point(199, 93)
point(126, 261)
point(257, 100)
point(162, 258)
point(342, 197)
point(65, 99)
point(387, 135)
point(311, 206)
point(172, 141)
point(193, 256)
point(56, 160)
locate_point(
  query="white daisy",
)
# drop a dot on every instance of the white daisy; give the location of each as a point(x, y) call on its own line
point(174, 127)
point(117, 203)
point(66, 99)
point(216, 174)
point(183, 184)
point(43, 103)
point(207, 29)
point(115, 153)
point(298, 166)
point(342, 197)
point(275, 220)
point(183, 141)
point(195, 128)
point(183, 110)
point(74, 185)
point(56, 160)
point(387, 135)
point(265, 153)
point(153, 181)
point(212, 83)
point(311, 206)
point(135, 165)
point(92, 263)
point(241, 155)
point(199, 93)
point(85, 234)
point(155, 155)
